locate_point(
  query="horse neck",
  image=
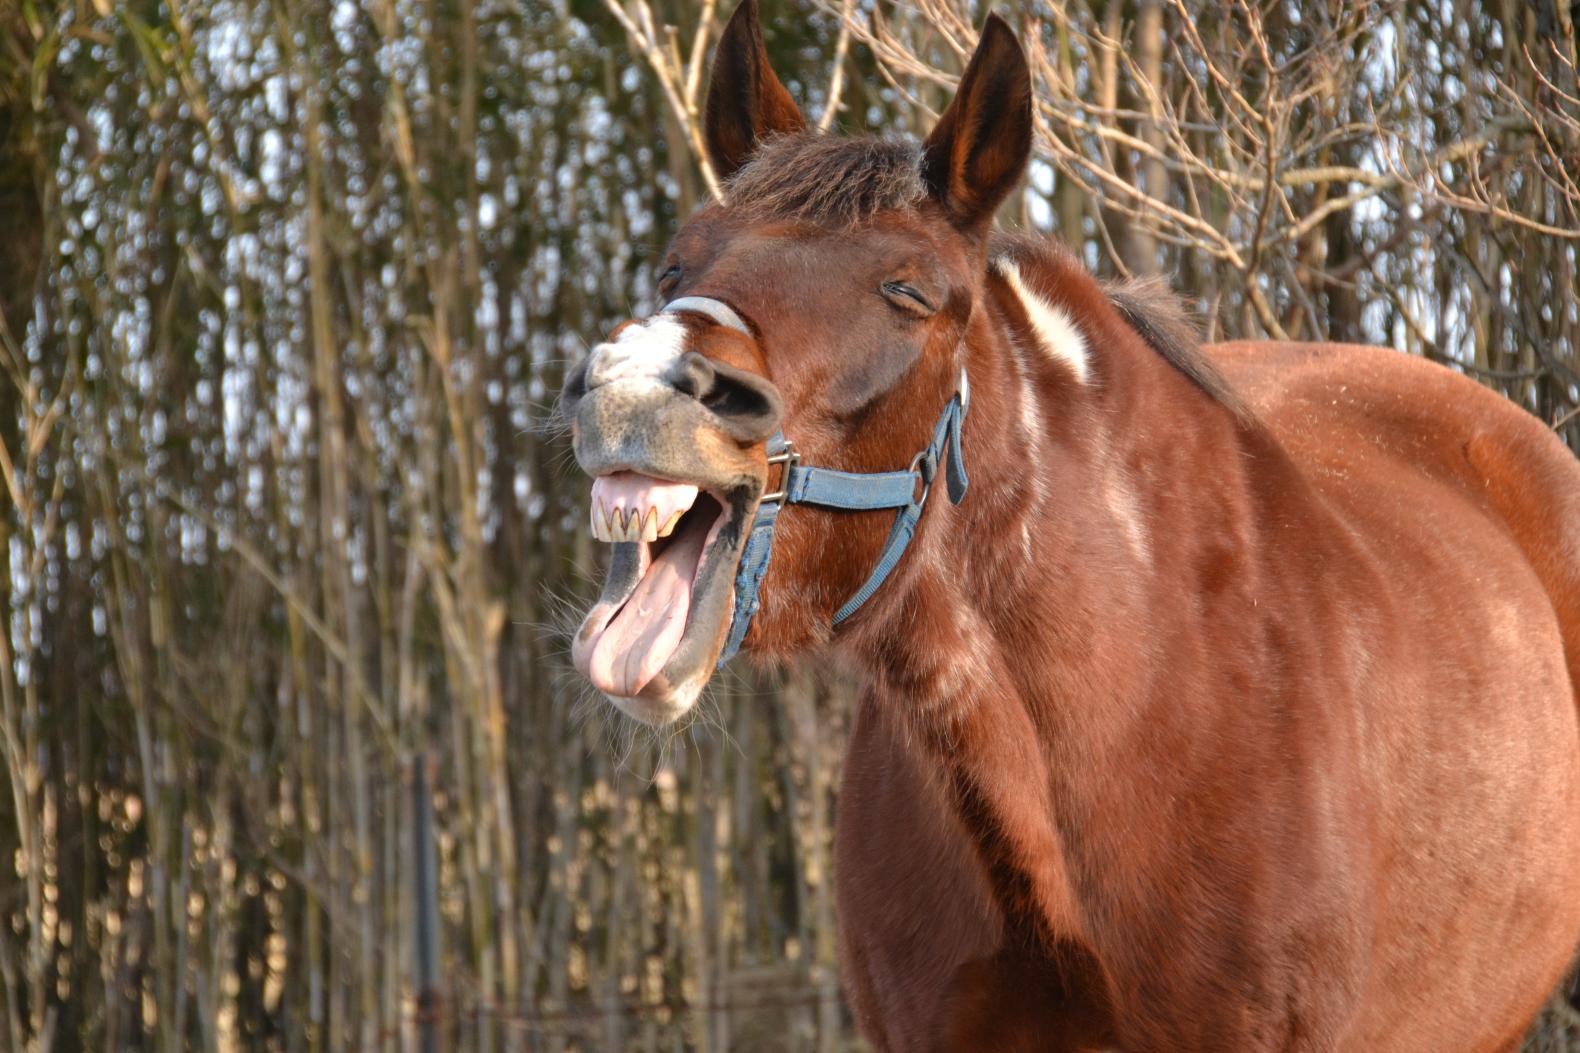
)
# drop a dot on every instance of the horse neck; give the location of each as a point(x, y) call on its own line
point(1086, 497)
point(1028, 645)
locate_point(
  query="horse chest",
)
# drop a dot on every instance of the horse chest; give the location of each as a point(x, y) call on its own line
point(935, 958)
point(922, 939)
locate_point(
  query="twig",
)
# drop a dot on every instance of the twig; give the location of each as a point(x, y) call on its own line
point(836, 80)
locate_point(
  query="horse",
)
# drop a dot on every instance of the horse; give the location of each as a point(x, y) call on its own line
point(1220, 698)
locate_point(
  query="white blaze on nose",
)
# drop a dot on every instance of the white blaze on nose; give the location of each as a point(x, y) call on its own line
point(1056, 332)
point(641, 351)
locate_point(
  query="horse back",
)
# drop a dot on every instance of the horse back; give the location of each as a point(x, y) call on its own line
point(1388, 413)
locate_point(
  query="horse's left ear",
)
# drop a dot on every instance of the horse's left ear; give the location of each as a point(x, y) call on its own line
point(746, 102)
point(978, 151)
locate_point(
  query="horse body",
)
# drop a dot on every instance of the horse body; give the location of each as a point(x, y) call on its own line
point(1312, 750)
point(1232, 708)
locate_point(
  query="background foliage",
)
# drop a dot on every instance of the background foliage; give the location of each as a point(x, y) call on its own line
point(286, 287)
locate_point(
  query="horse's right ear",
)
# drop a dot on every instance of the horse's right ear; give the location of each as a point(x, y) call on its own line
point(746, 103)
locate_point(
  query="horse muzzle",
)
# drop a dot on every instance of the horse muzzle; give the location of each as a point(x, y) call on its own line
point(675, 447)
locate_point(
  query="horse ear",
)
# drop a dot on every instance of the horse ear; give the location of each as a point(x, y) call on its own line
point(746, 102)
point(979, 148)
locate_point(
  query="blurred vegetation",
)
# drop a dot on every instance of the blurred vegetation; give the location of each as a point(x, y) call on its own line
point(286, 291)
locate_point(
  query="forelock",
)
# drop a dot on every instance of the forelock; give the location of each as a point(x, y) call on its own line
point(827, 179)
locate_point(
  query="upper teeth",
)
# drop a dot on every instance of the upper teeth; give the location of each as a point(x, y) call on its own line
point(631, 507)
point(621, 524)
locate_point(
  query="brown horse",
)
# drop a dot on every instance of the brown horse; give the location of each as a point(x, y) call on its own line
point(1231, 706)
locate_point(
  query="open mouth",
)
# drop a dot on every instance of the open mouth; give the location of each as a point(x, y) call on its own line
point(660, 622)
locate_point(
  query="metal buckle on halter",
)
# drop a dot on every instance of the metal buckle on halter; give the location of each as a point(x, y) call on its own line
point(927, 484)
point(789, 458)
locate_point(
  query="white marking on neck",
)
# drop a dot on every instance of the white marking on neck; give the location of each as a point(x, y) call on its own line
point(1124, 504)
point(642, 351)
point(1055, 330)
point(1030, 418)
point(1033, 494)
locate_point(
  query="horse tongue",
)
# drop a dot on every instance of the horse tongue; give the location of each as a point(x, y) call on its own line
point(637, 643)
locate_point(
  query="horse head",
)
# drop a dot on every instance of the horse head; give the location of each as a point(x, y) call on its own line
point(827, 298)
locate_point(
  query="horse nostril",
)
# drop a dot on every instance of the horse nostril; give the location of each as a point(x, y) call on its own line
point(694, 376)
point(745, 403)
point(575, 385)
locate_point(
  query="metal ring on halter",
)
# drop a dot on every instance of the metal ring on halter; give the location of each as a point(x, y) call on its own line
point(927, 484)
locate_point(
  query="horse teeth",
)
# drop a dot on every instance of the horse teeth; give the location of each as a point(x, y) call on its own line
point(628, 507)
point(607, 524)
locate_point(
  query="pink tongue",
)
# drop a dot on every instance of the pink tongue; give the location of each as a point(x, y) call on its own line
point(634, 647)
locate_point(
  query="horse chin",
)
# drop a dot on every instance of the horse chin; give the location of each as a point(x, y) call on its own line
point(650, 643)
point(661, 703)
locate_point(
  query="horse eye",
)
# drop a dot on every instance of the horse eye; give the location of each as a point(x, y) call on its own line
point(907, 298)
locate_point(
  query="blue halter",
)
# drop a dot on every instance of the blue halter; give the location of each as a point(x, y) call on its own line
point(801, 484)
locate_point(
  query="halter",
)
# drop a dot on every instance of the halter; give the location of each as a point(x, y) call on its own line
point(852, 491)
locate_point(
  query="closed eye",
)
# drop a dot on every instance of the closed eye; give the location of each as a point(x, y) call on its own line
point(667, 280)
point(907, 298)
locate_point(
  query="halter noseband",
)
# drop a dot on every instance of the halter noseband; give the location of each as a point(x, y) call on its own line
point(801, 484)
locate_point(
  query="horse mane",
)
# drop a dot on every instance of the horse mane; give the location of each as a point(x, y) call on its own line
point(1163, 320)
point(827, 179)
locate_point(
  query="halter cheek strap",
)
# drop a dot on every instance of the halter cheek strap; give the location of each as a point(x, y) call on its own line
point(850, 491)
